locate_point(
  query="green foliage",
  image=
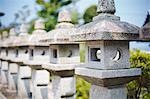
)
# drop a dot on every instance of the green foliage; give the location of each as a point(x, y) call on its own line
point(49, 11)
point(83, 88)
point(82, 52)
point(90, 13)
point(140, 88)
point(31, 28)
point(74, 16)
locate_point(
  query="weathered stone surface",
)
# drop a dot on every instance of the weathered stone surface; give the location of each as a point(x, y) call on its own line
point(106, 6)
point(12, 77)
point(106, 26)
point(22, 39)
point(4, 65)
point(37, 34)
point(13, 68)
point(24, 88)
point(62, 31)
point(63, 87)
point(41, 77)
point(41, 92)
point(145, 31)
point(113, 55)
point(108, 77)
point(114, 92)
point(24, 72)
point(3, 53)
point(59, 67)
point(40, 53)
point(64, 54)
point(40, 81)
point(103, 28)
point(24, 78)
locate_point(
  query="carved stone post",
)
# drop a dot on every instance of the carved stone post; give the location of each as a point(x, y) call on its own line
point(107, 53)
point(64, 56)
point(13, 67)
point(4, 64)
point(39, 54)
point(24, 72)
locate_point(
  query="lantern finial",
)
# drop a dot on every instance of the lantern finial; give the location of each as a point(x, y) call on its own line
point(12, 32)
point(39, 24)
point(23, 28)
point(64, 16)
point(106, 6)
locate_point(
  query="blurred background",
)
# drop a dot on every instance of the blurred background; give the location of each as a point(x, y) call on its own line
point(15, 12)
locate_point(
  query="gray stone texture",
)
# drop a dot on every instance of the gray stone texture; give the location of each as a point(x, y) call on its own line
point(114, 55)
point(113, 92)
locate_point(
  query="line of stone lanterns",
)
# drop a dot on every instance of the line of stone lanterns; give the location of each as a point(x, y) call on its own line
point(43, 65)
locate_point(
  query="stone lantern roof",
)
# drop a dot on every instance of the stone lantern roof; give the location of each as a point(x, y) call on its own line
point(37, 34)
point(106, 26)
point(62, 32)
point(145, 30)
point(23, 36)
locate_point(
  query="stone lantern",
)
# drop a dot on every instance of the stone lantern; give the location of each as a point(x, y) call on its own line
point(4, 63)
point(107, 53)
point(38, 55)
point(12, 67)
point(145, 30)
point(24, 72)
point(1, 42)
point(64, 56)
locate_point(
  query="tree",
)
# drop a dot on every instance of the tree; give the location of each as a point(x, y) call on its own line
point(140, 88)
point(50, 10)
point(90, 13)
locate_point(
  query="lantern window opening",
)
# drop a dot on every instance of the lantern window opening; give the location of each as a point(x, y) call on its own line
point(31, 53)
point(95, 54)
point(26, 51)
point(118, 55)
point(43, 53)
point(54, 52)
point(17, 52)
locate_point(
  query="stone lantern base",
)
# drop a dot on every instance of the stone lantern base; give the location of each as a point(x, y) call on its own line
point(108, 84)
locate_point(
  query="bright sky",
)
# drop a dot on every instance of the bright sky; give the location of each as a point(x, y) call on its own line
point(132, 11)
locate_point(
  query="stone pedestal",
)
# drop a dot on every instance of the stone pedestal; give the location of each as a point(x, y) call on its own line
point(112, 92)
point(24, 78)
point(63, 80)
point(40, 81)
point(63, 87)
point(12, 77)
point(4, 73)
point(108, 84)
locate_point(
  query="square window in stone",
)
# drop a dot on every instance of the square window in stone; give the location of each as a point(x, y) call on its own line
point(95, 54)
point(6, 52)
point(31, 53)
point(54, 53)
point(17, 52)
